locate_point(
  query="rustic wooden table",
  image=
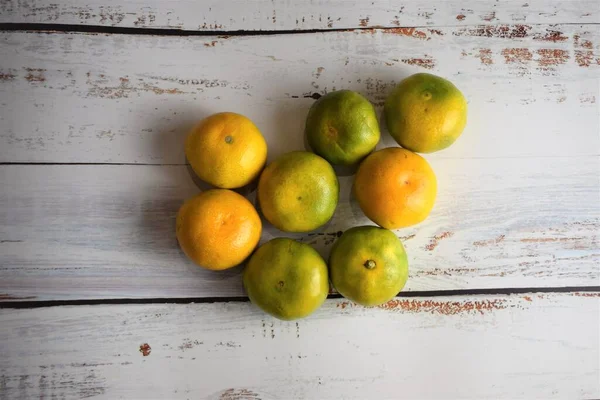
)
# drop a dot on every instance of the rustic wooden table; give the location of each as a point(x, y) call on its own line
point(503, 299)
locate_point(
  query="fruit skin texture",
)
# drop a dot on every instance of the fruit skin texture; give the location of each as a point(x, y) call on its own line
point(425, 113)
point(226, 150)
point(342, 127)
point(298, 192)
point(218, 229)
point(286, 279)
point(395, 188)
point(368, 265)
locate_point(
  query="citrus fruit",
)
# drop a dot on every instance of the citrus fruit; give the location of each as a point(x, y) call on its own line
point(368, 265)
point(425, 113)
point(298, 192)
point(286, 279)
point(218, 229)
point(226, 150)
point(342, 127)
point(395, 188)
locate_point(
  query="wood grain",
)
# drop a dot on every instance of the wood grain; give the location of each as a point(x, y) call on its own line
point(231, 15)
point(89, 232)
point(518, 203)
point(502, 347)
point(532, 90)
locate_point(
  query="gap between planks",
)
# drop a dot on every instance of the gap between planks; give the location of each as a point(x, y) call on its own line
point(98, 29)
point(583, 290)
point(139, 164)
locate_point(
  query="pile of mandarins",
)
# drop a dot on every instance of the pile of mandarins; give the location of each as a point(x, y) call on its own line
point(299, 192)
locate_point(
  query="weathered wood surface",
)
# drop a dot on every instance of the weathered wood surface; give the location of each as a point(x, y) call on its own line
point(518, 204)
point(526, 346)
point(292, 15)
point(532, 90)
point(518, 197)
point(89, 231)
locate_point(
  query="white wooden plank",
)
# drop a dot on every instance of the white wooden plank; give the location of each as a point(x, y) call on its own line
point(287, 15)
point(500, 347)
point(532, 90)
point(81, 231)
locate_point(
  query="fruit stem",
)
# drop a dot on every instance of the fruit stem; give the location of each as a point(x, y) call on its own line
point(370, 264)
